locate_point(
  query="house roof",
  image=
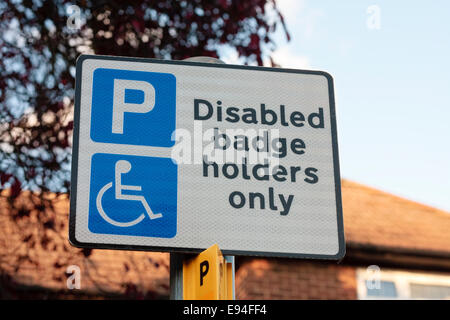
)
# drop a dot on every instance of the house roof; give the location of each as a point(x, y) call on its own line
point(34, 254)
point(379, 220)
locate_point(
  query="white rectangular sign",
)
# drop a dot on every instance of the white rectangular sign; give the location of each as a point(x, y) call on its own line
point(177, 156)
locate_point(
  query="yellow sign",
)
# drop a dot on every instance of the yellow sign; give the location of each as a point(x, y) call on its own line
point(208, 276)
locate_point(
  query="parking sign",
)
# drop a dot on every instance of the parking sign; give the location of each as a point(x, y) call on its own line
point(176, 156)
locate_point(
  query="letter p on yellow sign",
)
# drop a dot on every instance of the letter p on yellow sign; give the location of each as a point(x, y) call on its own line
point(206, 276)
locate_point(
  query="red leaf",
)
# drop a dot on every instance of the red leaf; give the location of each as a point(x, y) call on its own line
point(16, 188)
point(138, 25)
point(4, 177)
point(254, 41)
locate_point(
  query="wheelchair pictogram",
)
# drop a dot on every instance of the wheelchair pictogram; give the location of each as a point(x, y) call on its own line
point(122, 167)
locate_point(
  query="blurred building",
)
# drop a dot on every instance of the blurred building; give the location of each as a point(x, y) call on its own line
point(396, 248)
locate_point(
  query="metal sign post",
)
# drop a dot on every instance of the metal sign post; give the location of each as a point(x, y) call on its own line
point(176, 275)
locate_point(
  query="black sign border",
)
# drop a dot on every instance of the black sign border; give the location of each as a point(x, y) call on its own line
point(75, 149)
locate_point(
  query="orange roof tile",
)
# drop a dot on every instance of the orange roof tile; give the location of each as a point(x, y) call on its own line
point(374, 218)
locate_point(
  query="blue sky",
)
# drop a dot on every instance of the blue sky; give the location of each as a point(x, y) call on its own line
point(392, 88)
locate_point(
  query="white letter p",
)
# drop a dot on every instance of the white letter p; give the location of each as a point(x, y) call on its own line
point(120, 106)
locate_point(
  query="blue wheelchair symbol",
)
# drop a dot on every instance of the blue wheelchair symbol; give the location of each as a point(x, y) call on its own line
point(122, 167)
point(133, 195)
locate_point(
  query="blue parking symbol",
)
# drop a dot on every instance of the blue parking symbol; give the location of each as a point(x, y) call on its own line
point(133, 195)
point(133, 107)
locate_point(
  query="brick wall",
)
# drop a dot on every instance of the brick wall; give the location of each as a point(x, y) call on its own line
point(294, 279)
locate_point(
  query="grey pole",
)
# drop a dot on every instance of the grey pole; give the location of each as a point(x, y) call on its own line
point(176, 259)
point(176, 275)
